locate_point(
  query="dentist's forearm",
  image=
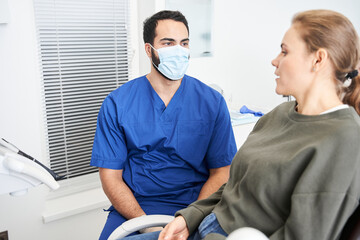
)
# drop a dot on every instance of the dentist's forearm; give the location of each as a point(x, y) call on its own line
point(119, 194)
point(218, 176)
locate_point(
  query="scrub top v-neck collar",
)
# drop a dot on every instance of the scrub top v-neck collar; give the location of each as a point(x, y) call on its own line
point(174, 102)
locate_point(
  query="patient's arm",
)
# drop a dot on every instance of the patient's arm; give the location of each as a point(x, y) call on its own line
point(176, 229)
point(119, 193)
point(218, 176)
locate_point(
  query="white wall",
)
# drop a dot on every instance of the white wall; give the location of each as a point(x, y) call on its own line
point(20, 112)
point(247, 36)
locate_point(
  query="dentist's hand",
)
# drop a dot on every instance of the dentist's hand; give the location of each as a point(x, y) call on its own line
point(175, 230)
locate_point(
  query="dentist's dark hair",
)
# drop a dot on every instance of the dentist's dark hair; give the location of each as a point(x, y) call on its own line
point(151, 23)
point(335, 33)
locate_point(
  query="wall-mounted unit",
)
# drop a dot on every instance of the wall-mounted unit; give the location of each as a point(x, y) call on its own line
point(4, 12)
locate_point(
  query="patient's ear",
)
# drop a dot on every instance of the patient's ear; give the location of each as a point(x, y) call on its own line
point(321, 58)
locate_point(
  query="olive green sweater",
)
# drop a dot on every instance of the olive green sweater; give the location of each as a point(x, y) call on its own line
point(295, 177)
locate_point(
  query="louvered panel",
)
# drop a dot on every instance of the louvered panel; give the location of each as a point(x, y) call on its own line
point(84, 50)
point(58, 152)
point(78, 148)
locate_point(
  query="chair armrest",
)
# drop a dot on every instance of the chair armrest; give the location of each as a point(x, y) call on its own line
point(246, 233)
point(139, 223)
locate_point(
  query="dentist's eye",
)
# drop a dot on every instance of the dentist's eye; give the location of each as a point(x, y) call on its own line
point(284, 53)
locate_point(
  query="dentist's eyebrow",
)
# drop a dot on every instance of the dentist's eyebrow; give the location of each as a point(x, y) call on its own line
point(168, 39)
point(184, 40)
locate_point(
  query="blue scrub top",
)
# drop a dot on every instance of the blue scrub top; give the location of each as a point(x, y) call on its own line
point(165, 152)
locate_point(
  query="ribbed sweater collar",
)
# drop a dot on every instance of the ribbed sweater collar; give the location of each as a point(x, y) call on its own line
point(294, 115)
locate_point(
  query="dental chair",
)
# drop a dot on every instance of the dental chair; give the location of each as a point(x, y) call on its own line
point(136, 224)
point(19, 171)
point(351, 231)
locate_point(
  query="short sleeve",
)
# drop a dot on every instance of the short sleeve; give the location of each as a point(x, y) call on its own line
point(222, 147)
point(109, 148)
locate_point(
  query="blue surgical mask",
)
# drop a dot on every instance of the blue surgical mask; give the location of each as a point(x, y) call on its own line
point(174, 61)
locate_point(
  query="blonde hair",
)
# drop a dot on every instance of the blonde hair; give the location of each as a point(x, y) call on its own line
point(335, 33)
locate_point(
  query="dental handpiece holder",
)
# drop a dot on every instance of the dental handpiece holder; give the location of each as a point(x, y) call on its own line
point(18, 174)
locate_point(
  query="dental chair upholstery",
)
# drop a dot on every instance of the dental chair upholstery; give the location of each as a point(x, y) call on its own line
point(136, 224)
point(351, 230)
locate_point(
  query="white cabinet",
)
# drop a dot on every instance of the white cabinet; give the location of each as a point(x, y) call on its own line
point(241, 133)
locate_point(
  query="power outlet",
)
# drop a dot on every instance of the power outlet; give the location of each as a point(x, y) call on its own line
point(4, 235)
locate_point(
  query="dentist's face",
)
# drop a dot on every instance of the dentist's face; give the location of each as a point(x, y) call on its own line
point(293, 65)
point(168, 33)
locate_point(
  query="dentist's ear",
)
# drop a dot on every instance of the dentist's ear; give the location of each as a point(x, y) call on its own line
point(148, 49)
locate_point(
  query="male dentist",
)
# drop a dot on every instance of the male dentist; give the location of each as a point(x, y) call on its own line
point(165, 139)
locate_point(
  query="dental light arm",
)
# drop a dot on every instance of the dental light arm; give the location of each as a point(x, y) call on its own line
point(17, 166)
point(14, 149)
point(18, 173)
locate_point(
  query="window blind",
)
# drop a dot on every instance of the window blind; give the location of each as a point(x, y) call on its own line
point(84, 52)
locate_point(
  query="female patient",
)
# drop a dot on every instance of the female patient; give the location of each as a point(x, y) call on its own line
point(297, 176)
